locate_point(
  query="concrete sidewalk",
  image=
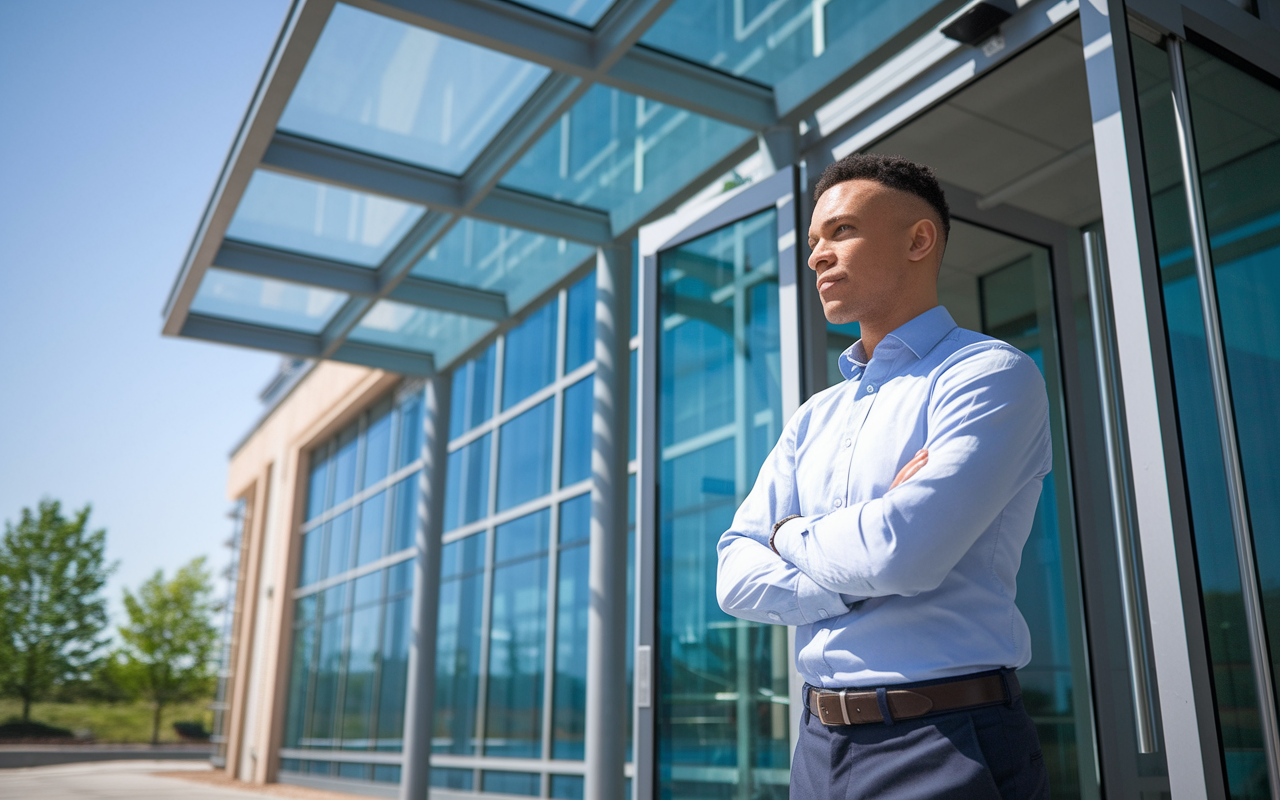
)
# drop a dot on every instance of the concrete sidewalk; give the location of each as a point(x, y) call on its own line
point(44, 755)
point(114, 780)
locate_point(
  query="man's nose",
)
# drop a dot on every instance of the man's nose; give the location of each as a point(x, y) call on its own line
point(819, 256)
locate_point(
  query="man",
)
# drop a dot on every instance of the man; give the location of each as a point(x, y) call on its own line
point(889, 520)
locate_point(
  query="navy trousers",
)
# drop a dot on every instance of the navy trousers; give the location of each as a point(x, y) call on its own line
point(988, 753)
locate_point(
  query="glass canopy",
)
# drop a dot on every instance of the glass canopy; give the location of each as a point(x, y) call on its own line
point(263, 301)
point(382, 86)
point(585, 12)
point(421, 330)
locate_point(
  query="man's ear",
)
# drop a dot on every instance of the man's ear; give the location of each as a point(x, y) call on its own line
point(923, 240)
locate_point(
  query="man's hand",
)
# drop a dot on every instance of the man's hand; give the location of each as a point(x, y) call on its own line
point(911, 468)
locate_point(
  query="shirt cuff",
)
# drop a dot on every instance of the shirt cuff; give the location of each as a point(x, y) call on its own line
point(788, 540)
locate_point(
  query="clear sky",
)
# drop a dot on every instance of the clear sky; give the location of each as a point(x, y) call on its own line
point(115, 119)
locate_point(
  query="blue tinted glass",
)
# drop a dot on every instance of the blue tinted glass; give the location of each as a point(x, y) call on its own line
point(422, 330)
point(362, 666)
point(373, 527)
point(458, 648)
point(569, 706)
point(529, 357)
point(410, 431)
point(580, 336)
point(523, 536)
point(635, 286)
point(339, 557)
point(344, 467)
point(466, 491)
point(320, 219)
point(575, 456)
point(526, 783)
point(400, 578)
point(319, 483)
point(631, 411)
point(570, 787)
point(463, 556)
point(264, 301)
point(348, 770)
point(517, 656)
point(586, 12)
point(334, 600)
point(386, 773)
point(514, 262)
point(395, 667)
point(767, 41)
point(312, 552)
point(368, 588)
point(320, 729)
point(405, 529)
point(304, 611)
point(397, 90)
point(472, 393)
point(575, 519)
point(524, 456)
point(622, 153)
point(377, 450)
point(452, 778)
point(301, 676)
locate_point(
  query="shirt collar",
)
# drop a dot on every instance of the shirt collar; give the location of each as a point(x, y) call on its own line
point(919, 335)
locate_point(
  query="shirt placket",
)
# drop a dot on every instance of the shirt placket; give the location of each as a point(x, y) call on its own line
point(875, 373)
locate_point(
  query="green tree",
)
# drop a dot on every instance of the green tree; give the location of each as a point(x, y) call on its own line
point(170, 639)
point(52, 570)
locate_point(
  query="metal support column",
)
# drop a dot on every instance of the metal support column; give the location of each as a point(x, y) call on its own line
point(415, 774)
point(1232, 467)
point(607, 578)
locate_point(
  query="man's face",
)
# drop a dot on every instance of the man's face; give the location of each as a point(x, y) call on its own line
point(861, 238)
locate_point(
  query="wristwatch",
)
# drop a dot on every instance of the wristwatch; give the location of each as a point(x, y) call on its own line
point(776, 526)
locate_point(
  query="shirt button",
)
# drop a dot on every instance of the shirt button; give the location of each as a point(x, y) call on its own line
point(848, 443)
point(822, 612)
point(774, 615)
point(839, 502)
point(871, 388)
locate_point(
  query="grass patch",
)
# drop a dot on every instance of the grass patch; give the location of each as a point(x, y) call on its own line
point(111, 722)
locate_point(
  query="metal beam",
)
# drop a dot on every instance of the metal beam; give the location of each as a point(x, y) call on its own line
point(389, 358)
point(268, 262)
point(245, 334)
point(347, 318)
point(681, 83)
point(340, 166)
point(450, 297)
point(622, 26)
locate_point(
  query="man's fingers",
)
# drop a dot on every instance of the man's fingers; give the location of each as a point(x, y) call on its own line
point(911, 468)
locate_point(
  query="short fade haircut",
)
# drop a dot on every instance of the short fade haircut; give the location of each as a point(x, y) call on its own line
point(894, 172)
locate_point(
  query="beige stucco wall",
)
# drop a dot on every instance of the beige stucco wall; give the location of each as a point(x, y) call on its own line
point(270, 470)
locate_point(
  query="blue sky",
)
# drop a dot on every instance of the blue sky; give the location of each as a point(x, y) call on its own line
point(115, 119)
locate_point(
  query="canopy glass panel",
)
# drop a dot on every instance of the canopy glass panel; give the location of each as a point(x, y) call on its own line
point(484, 255)
point(264, 301)
point(622, 153)
point(767, 41)
point(586, 12)
point(400, 91)
point(319, 219)
point(423, 330)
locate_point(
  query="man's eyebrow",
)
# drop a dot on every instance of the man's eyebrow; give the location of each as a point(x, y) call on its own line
point(831, 220)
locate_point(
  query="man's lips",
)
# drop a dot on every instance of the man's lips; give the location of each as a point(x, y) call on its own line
point(827, 281)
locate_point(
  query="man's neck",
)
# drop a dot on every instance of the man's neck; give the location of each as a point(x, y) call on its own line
point(874, 330)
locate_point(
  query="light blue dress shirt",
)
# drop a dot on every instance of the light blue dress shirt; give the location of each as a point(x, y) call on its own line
point(918, 582)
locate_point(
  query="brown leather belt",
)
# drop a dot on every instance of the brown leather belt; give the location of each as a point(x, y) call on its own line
point(861, 706)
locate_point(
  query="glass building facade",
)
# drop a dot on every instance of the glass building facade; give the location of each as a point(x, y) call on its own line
point(447, 211)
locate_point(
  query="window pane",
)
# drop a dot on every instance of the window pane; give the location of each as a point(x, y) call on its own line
point(458, 646)
point(264, 301)
point(524, 456)
point(400, 579)
point(344, 467)
point(575, 519)
point(568, 723)
point(451, 778)
point(525, 783)
point(397, 90)
point(569, 787)
point(339, 555)
point(326, 692)
point(368, 589)
point(472, 392)
point(410, 431)
point(373, 528)
point(319, 483)
point(377, 450)
point(518, 264)
point(517, 640)
point(586, 12)
point(631, 411)
point(421, 330)
point(386, 773)
point(575, 456)
point(300, 675)
point(395, 666)
point(466, 493)
point(405, 530)
point(320, 219)
point(529, 360)
point(580, 338)
point(362, 662)
point(312, 552)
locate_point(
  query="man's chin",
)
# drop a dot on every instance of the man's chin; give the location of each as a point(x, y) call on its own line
point(838, 313)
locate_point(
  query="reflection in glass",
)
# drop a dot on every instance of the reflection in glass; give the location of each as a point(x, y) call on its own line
point(397, 90)
point(319, 483)
point(517, 638)
point(466, 490)
point(570, 787)
point(410, 430)
point(518, 783)
point(723, 699)
point(1233, 117)
point(265, 301)
point(377, 450)
point(586, 12)
point(458, 638)
point(361, 668)
point(423, 330)
point(395, 669)
point(580, 334)
point(344, 466)
point(339, 556)
point(517, 263)
point(405, 524)
point(472, 392)
point(312, 552)
point(319, 219)
point(575, 454)
point(569, 706)
point(529, 360)
point(622, 153)
point(524, 456)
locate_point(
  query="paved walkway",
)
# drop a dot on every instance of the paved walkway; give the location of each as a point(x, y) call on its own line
point(114, 780)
